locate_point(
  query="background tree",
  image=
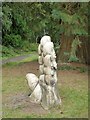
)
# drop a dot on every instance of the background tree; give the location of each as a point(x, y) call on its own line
point(74, 22)
point(24, 23)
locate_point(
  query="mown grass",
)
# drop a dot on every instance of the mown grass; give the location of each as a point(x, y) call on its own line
point(74, 100)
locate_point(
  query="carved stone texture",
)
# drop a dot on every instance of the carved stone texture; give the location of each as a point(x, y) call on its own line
point(44, 88)
point(48, 75)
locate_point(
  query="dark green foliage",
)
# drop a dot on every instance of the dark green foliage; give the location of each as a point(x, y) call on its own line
point(24, 22)
point(7, 19)
point(30, 20)
point(13, 40)
point(74, 18)
point(8, 52)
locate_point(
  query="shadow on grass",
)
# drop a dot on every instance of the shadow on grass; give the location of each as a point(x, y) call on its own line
point(67, 67)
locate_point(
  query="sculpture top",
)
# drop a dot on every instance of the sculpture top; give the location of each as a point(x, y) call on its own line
point(45, 39)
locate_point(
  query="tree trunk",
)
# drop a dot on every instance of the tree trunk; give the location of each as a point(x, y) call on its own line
point(81, 53)
point(65, 48)
point(83, 50)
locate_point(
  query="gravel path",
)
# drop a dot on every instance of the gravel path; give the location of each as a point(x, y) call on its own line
point(15, 59)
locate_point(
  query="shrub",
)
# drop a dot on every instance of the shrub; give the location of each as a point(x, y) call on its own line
point(76, 42)
point(25, 46)
point(13, 40)
point(73, 58)
point(33, 46)
point(7, 51)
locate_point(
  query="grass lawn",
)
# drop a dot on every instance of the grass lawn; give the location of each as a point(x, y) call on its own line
point(72, 86)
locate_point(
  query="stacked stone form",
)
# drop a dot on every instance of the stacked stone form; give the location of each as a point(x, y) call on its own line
point(48, 75)
point(44, 88)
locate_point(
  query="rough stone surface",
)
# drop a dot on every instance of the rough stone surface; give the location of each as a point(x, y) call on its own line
point(44, 88)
